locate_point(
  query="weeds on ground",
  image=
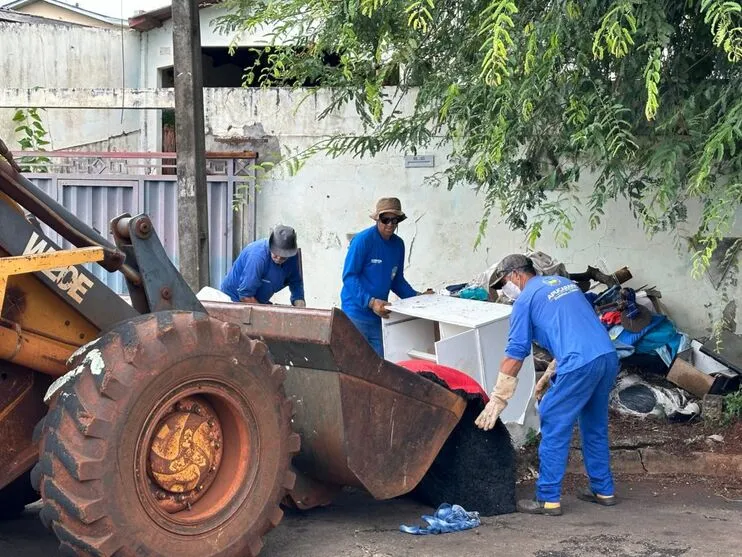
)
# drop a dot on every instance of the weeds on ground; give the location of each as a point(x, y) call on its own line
point(531, 438)
point(733, 407)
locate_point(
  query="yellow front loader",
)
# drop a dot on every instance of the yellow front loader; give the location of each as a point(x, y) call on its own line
point(159, 425)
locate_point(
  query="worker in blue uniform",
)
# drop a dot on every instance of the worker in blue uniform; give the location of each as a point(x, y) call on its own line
point(265, 267)
point(373, 266)
point(553, 312)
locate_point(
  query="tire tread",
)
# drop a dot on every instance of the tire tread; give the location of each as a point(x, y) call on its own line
point(81, 421)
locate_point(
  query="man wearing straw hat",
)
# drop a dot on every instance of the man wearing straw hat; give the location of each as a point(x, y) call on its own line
point(374, 266)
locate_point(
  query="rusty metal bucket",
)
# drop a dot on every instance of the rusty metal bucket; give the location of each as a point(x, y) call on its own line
point(364, 421)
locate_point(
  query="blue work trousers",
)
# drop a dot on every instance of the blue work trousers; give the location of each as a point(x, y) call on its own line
point(580, 395)
point(372, 333)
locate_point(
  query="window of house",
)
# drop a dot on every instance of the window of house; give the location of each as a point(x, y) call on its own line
point(222, 69)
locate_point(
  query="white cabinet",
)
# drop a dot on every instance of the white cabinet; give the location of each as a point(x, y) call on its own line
point(467, 335)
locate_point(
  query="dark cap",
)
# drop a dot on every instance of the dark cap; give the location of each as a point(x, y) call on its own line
point(510, 263)
point(282, 241)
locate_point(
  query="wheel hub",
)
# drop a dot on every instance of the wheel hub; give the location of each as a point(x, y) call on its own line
point(185, 454)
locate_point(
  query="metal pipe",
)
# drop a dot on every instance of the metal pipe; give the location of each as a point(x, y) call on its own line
point(34, 351)
point(122, 227)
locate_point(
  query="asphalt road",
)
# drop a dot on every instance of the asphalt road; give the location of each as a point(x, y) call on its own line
point(654, 519)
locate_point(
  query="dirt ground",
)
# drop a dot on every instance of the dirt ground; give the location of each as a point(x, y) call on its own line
point(675, 438)
point(633, 433)
point(668, 518)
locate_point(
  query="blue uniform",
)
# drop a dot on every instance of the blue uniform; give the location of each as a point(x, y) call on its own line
point(255, 275)
point(373, 267)
point(553, 312)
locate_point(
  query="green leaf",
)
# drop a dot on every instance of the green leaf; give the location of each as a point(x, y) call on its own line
point(634, 99)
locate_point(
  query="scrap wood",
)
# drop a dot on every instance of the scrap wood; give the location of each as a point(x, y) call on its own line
point(617, 277)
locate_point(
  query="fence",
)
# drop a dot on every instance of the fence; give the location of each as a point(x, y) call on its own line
point(100, 186)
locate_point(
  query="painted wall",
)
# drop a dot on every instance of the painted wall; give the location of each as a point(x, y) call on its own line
point(331, 199)
point(50, 11)
point(158, 50)
point(60, 56)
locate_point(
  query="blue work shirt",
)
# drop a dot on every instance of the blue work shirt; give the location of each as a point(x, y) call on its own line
point(373, 267)
point(553, 312)
point(256, 275)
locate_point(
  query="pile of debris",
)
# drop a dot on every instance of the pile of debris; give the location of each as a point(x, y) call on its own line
point(664, 373)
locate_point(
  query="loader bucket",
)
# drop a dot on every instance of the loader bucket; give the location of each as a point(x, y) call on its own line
point(364, 421)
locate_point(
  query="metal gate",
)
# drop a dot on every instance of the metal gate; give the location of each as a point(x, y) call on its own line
point(111, 187)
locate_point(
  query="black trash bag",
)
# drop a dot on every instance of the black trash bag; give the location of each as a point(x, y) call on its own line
point(475, 469)
point(639, 398)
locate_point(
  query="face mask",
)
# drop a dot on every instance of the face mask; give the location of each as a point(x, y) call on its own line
point(511, 290)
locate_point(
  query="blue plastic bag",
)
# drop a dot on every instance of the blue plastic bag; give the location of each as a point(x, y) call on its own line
point(447, 518)
point(474, 293)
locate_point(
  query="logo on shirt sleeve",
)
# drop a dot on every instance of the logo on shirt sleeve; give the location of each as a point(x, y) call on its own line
point(394, 272)
point(376, 261)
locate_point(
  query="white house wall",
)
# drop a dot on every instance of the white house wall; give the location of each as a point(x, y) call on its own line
point(64, 56)
point(330, 199)
point(159, 47)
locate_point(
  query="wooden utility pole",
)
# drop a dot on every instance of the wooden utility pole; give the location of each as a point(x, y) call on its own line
point(193, 223)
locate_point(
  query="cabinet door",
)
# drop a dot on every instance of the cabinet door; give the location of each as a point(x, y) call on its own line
point(462, 352)
point(493, 339)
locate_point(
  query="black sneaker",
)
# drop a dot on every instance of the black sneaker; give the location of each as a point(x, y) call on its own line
point(534, 506)
point(604, 500)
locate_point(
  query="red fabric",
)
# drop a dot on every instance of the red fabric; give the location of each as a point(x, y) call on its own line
point(611, 318)
point(455, 379)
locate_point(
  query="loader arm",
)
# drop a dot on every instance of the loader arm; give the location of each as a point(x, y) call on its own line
point(51, 304)
point(56, 216)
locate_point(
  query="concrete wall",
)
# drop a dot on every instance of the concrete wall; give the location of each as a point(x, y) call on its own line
point(330, 199)
point(158, 47)
point(59, 56)
point(50, 11)
point(125, 142)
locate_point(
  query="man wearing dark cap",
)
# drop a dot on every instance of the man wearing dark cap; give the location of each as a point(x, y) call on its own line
point(265, 267)
point(553, 312)
point(374, 265)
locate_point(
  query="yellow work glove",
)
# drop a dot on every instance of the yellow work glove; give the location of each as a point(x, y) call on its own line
point(501, 394)
point(543, 383)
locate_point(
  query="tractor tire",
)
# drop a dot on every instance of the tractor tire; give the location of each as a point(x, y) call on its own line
point(171, 437)
point(15, 496)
